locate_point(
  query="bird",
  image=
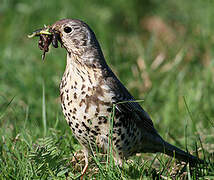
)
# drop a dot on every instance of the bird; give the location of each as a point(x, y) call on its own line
point(97, 106)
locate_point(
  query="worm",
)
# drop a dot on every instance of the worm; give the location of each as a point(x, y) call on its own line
point(46, 37)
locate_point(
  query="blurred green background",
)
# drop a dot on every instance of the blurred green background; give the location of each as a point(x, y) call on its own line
point(161, 50)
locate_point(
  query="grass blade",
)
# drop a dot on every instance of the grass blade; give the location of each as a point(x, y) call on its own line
point(44, 120)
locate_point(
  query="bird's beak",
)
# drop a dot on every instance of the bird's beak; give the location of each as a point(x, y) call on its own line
point(54, 28)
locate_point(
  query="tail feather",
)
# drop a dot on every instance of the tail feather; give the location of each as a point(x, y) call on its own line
point(180, 154)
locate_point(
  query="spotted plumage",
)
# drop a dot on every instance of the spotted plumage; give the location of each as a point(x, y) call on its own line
point(89, 90)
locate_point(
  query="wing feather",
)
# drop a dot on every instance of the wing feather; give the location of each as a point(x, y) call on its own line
point(126, 103)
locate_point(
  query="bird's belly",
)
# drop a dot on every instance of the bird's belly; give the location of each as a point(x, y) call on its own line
point(86, 114)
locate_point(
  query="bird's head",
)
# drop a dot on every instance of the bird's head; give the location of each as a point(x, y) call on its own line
point(76, 37)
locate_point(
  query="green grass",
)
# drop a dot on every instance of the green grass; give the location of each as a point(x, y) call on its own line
point(161, 51)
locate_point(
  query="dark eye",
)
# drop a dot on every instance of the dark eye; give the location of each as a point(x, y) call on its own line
point(67, 29)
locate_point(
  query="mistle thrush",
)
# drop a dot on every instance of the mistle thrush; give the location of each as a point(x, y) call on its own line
point(89, 90)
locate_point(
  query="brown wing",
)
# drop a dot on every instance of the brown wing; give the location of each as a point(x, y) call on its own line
point(125, 103)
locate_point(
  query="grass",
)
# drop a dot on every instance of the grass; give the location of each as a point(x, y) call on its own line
point(162, 52)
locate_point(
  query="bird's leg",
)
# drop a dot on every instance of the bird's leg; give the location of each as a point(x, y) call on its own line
point(118, 160)
point(85, 151)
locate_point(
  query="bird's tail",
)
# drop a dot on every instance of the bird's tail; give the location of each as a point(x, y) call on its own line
point(180, 154)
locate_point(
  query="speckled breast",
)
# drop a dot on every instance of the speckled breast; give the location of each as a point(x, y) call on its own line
point(84, 101)
point(87, 105)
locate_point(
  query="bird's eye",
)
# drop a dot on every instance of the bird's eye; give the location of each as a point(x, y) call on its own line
point(67, 29)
